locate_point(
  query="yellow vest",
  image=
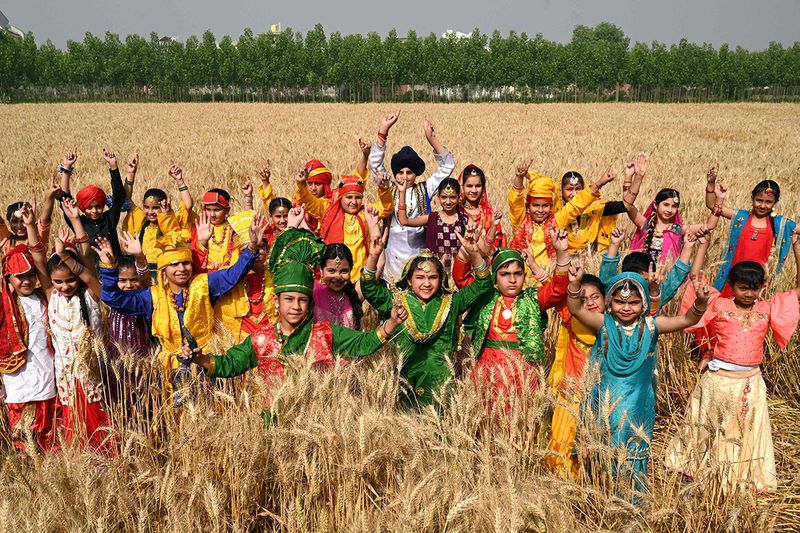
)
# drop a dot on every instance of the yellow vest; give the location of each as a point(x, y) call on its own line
point(198, 319)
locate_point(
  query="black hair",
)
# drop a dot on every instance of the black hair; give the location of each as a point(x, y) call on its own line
point(449, 182)
point(638, 262)
point(126, 261)
point(277, 203)
point(594, 281)
point(222, 192)
point(158, 194)
point(12, 208)
point(439, 270)
point(472, 170)
point(340, 251)
point(572, 175)
point(663, 194)
point(762, 186)
point(55, 263)
point(748, 273)
point(517, 261)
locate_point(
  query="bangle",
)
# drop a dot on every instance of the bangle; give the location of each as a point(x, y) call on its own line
point(128, 182)
point(64, 170)
point(573, 294)
point(710, 191)
point(77, 269)
point(382, 137)
point(368, 275)
point(401, 207)
point(38, 247)
point(490, 242)
point(697, 311)
point(381, 334)
point(568, 263)
point(482, 271)
point(44, 225)
point(716, 210)
point(141, 271)
point(183, 188)
point(80, 240)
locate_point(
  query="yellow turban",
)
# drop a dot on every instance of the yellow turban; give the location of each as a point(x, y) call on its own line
point(540, 186)
point(174, 248)
point(241, 222)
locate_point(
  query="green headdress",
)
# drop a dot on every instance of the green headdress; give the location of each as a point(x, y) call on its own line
point(292, 260)
point(504, 256)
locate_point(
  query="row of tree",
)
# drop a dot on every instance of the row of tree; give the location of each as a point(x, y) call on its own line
point(598, 63)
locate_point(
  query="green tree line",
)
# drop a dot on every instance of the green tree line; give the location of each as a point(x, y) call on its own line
point(599, 63)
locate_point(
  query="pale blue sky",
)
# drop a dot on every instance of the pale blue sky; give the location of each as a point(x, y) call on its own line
point(749, 23)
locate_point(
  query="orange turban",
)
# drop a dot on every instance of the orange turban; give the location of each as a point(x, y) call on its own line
point(90, 195)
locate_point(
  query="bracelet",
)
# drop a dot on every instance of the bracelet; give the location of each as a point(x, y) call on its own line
point(77, 269)
point(128, 182)
point(64, 170)
point(183, 188)
point(80, 240)
point(716, 210)
point(141, 271)
point(38, 247)
point(657, 296)
point(401, 207)
point(382, 137)
point(490, 242)
point(575, 295)
point(710, 192)
point(694, 309)
point(568, 263)
point(368, 275)
point(381, 334)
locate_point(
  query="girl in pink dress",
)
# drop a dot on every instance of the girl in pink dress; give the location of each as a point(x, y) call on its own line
point(335, 297)
point(727, 423)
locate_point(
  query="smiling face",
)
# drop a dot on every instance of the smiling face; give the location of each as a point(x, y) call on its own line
point(425, 280)
point(336, 274)
point(510, 278)
point(179, 273)
point(352, 202)
point(539, 209)
point(667, 210)
point(128, 280)
point(449, 200)
point(626, 310)
point(280, 218)
point(64, 281)
point(18, 227)
point(151, 208)
point(292, 307)
point(94, 211)
point(216, 213)
point(763, 203)
point(569, 191)
point(473, 189)
point(23, 284)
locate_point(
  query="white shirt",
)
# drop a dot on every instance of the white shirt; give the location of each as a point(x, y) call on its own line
point(36, 380)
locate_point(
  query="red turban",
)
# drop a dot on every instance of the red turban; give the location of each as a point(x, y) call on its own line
point(90, 195)
point(18, 260)
point(350, 184)
point(211, 198)
point(319, 173)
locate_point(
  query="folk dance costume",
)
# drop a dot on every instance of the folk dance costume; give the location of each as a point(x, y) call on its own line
point(592, 229)
point(106, 225)
point(485, 215)
point(429, 335)
point(333, 307)
point(193, 307)
point(529, 235)
point(507, 336)
point(662, 246)
point(339, 226)
point(621, 402)
point(26, 359)
point(727, 420)
point(148, 233)
point(405, 242)
point(317, 173)
point(746, 243)
point(268, 349)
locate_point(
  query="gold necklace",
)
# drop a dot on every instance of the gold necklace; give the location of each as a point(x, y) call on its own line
point(507, 314)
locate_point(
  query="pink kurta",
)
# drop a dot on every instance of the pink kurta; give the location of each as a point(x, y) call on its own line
point(332, 307)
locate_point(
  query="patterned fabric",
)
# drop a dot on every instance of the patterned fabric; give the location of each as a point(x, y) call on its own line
point(527, 324)
point(441, 238)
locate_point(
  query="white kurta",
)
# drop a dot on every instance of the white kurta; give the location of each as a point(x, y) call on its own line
point(35, 381)
point(404, 242)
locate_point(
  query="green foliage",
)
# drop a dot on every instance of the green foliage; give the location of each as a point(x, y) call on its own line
point(595, 62)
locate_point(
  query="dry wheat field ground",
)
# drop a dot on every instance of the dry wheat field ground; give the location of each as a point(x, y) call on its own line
point(342, 456)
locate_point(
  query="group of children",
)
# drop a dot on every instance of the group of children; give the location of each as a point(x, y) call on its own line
point(432, 261)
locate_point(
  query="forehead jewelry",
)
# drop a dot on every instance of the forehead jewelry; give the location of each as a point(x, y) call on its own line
point(573, 179)
point(449, 189)
point(425, 266)
point(337, 261)
point(473, 172)
point(625, 291)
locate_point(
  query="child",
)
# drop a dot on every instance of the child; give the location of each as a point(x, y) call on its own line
point(404, 243)
point(621, 402)
point(155, 218)
point(756, 234)
point(533, 215)
point(97, 222)
point(76, 326)
point(278, 210)
point(660, 230)
point(335, 297)
point(26, 359)
point(13, 231)
point(343, 217)
point(475, 203)
point(441, 227)
point(727, 420)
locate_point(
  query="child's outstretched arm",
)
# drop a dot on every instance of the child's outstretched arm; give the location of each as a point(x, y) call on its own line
point(130, 176)
point(46, 219)
point(118, 193)
point(70, 209)
point(635, 172)
point(86, 275)
point(36, 246)
point(66, 168)
point(176, 173)
point(575, 295)
point(668, 324)
point(247, 193)
point(363, 161)
point(402, 215)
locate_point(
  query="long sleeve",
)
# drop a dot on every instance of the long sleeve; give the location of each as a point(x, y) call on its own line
point(138, 302)
point(316, 207)
point(221, 282)
point(446, 163)
point(378, 296)
point(376, 157)
point(575, 207)
point(783, 316)
point(462, 273)
point(168, 222)
point(466, 297)
point(236, 361)
point(132, 223)
point(609, 266)
point(352, 344)
point(266, 193)
point(385, 205)
point(118, 198)
point(516, 206)
point(677, 275)
point(614, 207)
point(552, 293)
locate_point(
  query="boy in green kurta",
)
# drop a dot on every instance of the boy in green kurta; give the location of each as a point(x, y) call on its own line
point(430, 334)
point(296, 333)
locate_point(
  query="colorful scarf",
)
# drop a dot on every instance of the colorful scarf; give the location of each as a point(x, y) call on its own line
point(14, 327)
point(487, 213)
point(673, 240)
point(333, 222)
point(522, 239)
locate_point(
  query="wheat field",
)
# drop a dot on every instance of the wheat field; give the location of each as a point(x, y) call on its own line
point(343, 456)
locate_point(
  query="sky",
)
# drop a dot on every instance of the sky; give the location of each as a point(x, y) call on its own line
point(749, 23)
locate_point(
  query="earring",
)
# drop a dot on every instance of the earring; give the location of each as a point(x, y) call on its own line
point(275, 312)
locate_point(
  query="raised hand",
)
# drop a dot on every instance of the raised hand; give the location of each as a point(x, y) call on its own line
point(523, 168)
point(373, 221)
point(104, 251)
point(376, 246)
point(402, 186)
point(166, 205)
point(111, 158)
point(247, 188)
point(296, 216)
point(61, 240)
point(388, 121)
point(176, 173)
point(265, 172)
point(430, 130)
point(655, 275)
point(607, 177)
point(617, 235)
point(133, 166)
point(712, 173)
point(301, 176)
point(70, 208)
point(702, 289)
point(497, 217)
point(385, 181)
point(203, 228)
point(469, 241)
point(576, 269)
point(559, 239)
point(257, 228)
point(640, 165)
point(398, 314)
point(720, 190)
point(28, 213)
point(364, 147)
point(69, 159)
point(130, 244)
